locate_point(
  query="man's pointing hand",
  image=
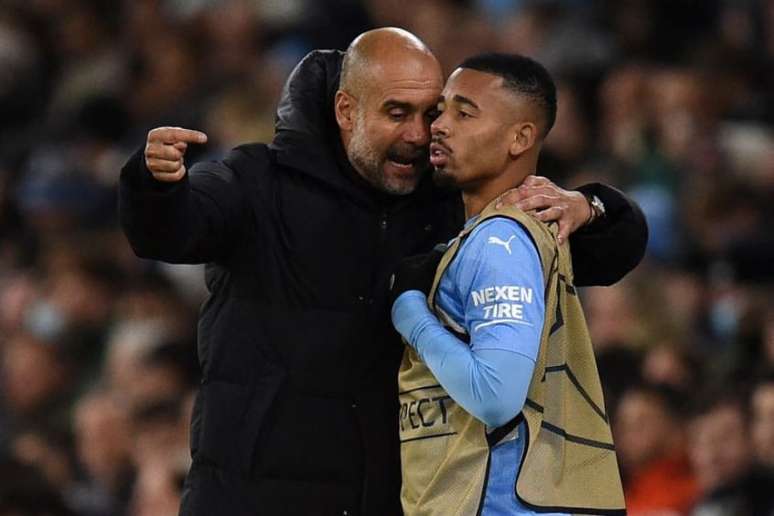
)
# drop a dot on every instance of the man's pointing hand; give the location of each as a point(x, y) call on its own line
point(165, 149)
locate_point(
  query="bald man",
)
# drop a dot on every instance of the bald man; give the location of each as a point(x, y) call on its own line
point(390, 156)
point(297, 409)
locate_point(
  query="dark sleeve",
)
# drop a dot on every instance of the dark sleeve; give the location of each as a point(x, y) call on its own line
point(609, 248)
point(194, 220)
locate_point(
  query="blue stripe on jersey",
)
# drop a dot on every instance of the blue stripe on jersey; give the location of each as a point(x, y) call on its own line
point(504, 464)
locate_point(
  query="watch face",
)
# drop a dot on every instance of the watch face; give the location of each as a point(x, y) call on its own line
point(596, 203)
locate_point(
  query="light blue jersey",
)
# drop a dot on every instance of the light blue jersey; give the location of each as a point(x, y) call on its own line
point(492, 291)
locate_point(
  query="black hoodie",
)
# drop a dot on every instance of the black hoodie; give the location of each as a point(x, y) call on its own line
point(297, 412)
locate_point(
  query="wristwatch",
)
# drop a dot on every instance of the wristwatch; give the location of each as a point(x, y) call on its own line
point(597, 208)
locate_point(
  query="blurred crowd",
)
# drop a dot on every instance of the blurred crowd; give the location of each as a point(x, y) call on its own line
point(669, 100)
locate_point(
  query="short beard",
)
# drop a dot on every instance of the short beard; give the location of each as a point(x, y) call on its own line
point(370, 165)
point(363, 156)
point(443, 179)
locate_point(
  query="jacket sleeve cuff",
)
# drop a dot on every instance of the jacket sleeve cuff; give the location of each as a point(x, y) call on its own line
point(136, 177)
point(614, 200)
point(606, 250)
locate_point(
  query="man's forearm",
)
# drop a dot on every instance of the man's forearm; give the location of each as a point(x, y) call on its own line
point(491, 384)
point(176, 222)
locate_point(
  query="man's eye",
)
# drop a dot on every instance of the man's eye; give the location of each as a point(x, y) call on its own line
point(462, 114)
point(397, 115)
point(433, 114)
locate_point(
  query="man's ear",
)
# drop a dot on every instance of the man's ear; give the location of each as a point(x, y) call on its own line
point(344, 107)
point(525, 135)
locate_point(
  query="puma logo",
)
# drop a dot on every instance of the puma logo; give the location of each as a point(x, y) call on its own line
point(506, 245)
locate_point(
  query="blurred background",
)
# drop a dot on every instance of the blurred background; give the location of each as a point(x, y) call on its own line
point(670, 100)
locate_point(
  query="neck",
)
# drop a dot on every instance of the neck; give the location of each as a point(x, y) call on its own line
point(477, 197)
point(474, 203)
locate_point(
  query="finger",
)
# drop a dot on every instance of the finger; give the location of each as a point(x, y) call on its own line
point(168, 177)
point(161, 135)
point(565, 228)
point(527, 191)
point(163, 165)
point(533, 180)
point(172, 135)
point(556, 213)
point(509, 198)
point(538, 202)
point(181, 146)
point(189, 136)
point(551, 214)
point(163, 151)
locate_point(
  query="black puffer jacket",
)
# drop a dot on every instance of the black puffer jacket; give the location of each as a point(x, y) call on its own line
point(297, 412)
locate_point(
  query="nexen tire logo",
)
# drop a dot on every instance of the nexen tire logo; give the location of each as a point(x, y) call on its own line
point(502, 304)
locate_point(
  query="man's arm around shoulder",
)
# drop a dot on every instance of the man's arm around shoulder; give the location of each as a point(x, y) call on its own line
point(603, 251)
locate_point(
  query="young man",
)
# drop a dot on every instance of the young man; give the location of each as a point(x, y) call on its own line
point(501, 405)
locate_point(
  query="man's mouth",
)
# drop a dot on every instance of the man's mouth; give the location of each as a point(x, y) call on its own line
point(439, 154)
point(406, 163)
point(401, 164)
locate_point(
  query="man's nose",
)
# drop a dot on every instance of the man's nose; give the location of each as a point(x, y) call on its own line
point(418, 132)
point(438, 127)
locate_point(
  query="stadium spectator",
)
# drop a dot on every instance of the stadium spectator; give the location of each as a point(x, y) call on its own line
point(650, 439)
point(722, 457)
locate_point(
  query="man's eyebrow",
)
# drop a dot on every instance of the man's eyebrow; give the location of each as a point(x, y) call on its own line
point(465, 100)
point(392, 103)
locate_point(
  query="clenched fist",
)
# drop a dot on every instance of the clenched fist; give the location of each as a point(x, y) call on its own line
point(165, 149)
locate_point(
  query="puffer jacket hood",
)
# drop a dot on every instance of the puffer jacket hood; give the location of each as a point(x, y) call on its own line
point(306, 103)
point(306, 134)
